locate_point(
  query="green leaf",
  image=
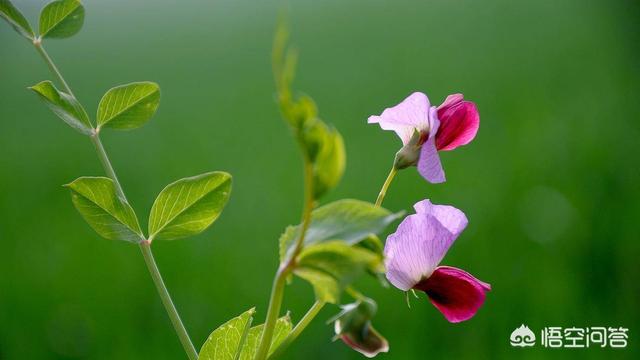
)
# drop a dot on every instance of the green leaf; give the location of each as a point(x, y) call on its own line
point(313, 134)
point(283, 60)
point(111, 217)
point(348, 220)
point(16, 19)
point(128, 106)
point(375, 245)
point(332, 265)
point(280, 332)
point(300, 112)
point(61, 19)
point(372, 243)
point(226, 342)
point(188, 206)
point(65, 106)
point(329, 163)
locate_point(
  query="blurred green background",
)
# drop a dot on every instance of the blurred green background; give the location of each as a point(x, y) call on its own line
point(550, 184)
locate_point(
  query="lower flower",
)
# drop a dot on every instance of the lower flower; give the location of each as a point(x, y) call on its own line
point(414, 251)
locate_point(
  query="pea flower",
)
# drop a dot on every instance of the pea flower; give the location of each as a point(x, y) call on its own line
point(425, 130)
point(353, 326)
point(414, 251)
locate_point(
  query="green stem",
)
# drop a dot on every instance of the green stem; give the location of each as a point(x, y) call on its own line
point(308, 207)
point(357, 295)
point(275, 303)
point(145, 247)
point(52, 66)
point(385, 186)
point(106, 164)
point(300, 326)
point(277, 291)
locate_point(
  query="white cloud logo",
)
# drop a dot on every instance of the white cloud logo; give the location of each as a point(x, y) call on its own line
point(522, 337)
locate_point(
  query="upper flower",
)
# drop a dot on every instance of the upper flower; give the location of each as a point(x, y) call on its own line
point(414, 251)
point(426, 129)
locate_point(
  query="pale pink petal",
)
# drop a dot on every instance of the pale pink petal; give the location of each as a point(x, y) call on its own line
point(459, 123)
point(451, 218)
point(429, 165)
point(457, 294)
point(450, 101)
point(450, 224)
point(405, 259)
point(410, 115)
point(420, 242)
point(404, 131)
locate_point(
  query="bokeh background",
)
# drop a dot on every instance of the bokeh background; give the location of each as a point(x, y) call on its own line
point(550, 184)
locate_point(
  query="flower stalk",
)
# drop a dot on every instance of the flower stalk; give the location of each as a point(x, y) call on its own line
point(385, 186)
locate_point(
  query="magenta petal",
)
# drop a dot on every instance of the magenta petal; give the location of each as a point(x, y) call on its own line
point(456, 293)
point(410, 115)
point(459, 122)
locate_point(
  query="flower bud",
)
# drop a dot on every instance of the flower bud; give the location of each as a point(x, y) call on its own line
point(353, 327)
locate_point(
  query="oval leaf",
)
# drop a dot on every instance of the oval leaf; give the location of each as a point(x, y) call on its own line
point(16, 19)
point(332, 265)
point(348, 220)
point(111, 217)
point(128, 106)
point(280, 332)
point(61, 19)
point(226, 342)
point(188, 206)
point(65, 106)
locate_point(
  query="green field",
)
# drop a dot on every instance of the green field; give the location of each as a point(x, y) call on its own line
point(550, 184)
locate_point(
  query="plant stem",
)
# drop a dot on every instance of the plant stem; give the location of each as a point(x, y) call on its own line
point(54, 69)
point(308, 207)
point(106, 164)
point(300, 326)
point(145, 247)
point(354, 293)
point(277, 291)
point(275, 303)
point(385, 186)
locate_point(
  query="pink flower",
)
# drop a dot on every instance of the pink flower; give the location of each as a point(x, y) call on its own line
point(414, 251)
point(425, 130)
